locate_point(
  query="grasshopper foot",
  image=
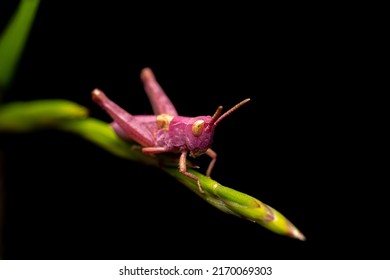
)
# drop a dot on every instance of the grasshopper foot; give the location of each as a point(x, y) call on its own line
point(199, 186)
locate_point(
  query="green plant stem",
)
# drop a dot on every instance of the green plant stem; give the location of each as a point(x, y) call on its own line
point(225, 199)
point(70, 117)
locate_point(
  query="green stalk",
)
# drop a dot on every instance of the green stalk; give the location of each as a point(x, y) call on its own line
point(38, 114)
point(101, 134)
point(70, 117)
point(239, 204)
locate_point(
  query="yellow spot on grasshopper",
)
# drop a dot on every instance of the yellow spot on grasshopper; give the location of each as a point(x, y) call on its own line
point(163, 121)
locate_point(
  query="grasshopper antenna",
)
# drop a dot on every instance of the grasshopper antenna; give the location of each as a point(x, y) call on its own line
point(216, 118)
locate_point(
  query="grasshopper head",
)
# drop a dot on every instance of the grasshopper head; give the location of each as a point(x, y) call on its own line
point(200, 130)
point(199, 135)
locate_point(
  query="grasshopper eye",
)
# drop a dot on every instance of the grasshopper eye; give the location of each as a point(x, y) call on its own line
point(197, 127)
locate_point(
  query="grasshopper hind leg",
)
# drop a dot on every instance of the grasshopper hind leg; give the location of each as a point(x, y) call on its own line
point(129, 125)
point(160, 102)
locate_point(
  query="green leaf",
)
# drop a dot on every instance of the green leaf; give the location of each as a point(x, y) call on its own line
point(14, 38)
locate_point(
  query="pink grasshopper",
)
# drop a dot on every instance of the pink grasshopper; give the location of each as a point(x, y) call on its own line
point(165, 131)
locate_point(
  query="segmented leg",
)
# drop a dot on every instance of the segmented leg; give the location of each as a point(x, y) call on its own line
point(183, 169)
point(130, 125)
point(160, 102)
point(149, 121)
point(120, 132)
point(213, 156)
point(154, 150)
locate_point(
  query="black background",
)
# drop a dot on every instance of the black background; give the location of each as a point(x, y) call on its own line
point(290, 147)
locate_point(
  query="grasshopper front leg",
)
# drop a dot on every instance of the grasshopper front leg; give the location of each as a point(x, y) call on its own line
point(183, 170)
point(213, 156)
point(182, 162)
